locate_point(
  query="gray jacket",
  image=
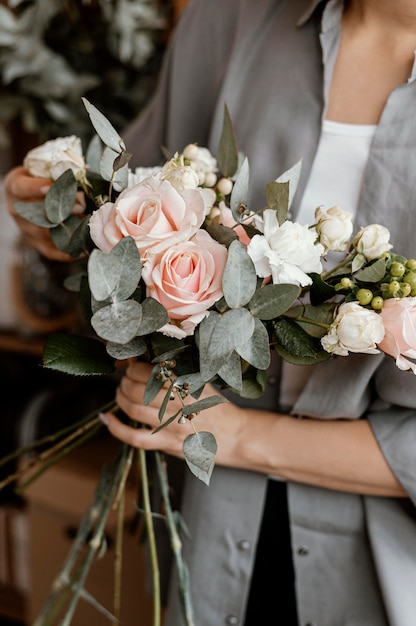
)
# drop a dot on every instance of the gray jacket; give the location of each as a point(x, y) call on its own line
point(355, 557)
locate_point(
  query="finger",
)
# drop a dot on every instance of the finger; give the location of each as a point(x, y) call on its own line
point(137, 437)
point(19, 184)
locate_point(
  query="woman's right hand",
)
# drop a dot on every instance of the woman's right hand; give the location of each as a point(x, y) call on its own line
point(21, 187)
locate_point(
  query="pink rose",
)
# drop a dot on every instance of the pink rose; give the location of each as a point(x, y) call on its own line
point(153, 213)
point(399, 319)
point(186, 279)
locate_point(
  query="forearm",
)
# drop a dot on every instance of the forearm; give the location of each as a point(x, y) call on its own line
point(335, 454)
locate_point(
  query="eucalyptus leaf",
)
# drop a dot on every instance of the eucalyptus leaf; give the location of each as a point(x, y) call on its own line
point(321, 316)
point(104, 128)
point(232, 329)
point(94, 153)
point(231, 372)
point(194, 382)
point(212, 355)
point(239, 193)
point(227, 155)
point(320, 290)
point(199, 451)
point(165, 402)
point(277, 198)
point(256, 350)
point(73, 281)
point(135, 347)
point(104, 271)
point(239, 280)
point(107, 170)
point(153, 386)
point(131, 268)
point(222, 234)
point(200, 405)
point(76, 355)
point(34, 212)
point(63, 233)
point(373, 273)
point(292, 176)
point(294, 345)
point(154, 316)
point(61, 197)
point(80, 240)
point(118, 322)
point(271, 301)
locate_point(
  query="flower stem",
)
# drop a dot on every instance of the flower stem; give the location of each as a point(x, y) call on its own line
point(151, 538)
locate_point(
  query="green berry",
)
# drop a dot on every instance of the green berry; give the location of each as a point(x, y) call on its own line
point(411, 264)
point(364, 296)
point(397, 269)
point(377, 303)
point(394, 287)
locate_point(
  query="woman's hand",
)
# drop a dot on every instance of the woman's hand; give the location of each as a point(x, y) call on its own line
point(226, 421)
point(21, 187)
point(335, 454)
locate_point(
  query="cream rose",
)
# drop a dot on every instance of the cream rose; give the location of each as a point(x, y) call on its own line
point(355, 329)
point(399, 319)
point(372, 241)
point(153, 213)
point(54, 157)
point(187, 280)
point(334, 228)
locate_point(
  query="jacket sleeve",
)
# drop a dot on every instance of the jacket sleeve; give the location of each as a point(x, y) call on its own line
point(394, 423)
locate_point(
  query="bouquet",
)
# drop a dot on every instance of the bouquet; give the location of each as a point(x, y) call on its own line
point(180, 272)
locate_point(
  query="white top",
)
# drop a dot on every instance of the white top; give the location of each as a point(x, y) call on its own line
point(335, 179)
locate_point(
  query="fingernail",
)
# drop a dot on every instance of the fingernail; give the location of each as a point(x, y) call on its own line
point(104, 418)
point(45, 189)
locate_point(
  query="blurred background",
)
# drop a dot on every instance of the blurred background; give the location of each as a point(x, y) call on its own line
point(53, 52)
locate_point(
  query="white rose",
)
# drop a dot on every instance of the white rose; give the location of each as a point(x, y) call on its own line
point(180, 176)
point(204, 161)
point(334, 228)
point(288, 252)
point(141, 173)
point(355, 329)
point(54, 157)
point(372, 241)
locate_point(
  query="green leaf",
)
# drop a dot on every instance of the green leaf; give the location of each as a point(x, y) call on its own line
point(322, 314)
point(294, 345)
point(227, 155)
point(199, 451)
point(239, 193)
point(211, 360)
point(118, 322)
point(231, 372)
point(200, 405)
point(135, 347)
point(320, 290)
point(222, 234)
point(194, 382)
point(239, 279)
point(277, 198)
point(104, 272)
point(271, 301)
point(63, 233)
point(358, 261)
point(153, 386)
point(291, 176)
point(372, 273)
point(34, 212)
point(80, 240)
point(232, 329)
point(108, 170)
point(154, 316)
point(76, 355)
point(104, 128)
point(61, 197)
point(131, 268)
point(256, 350)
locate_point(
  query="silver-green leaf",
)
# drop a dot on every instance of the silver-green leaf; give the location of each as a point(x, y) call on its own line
point(118, 322)
point(239, 279)
point(199, 450)
point(256, 351)
point(104, 128)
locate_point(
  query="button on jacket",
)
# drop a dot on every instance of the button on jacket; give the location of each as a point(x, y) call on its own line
point(354, 557)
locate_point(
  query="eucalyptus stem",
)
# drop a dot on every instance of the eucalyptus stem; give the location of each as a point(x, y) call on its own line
point(176, 543)
point(96, 540)
point(306, 320)
point(151, 539)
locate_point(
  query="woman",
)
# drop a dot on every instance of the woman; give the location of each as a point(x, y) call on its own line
point(331, 83)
